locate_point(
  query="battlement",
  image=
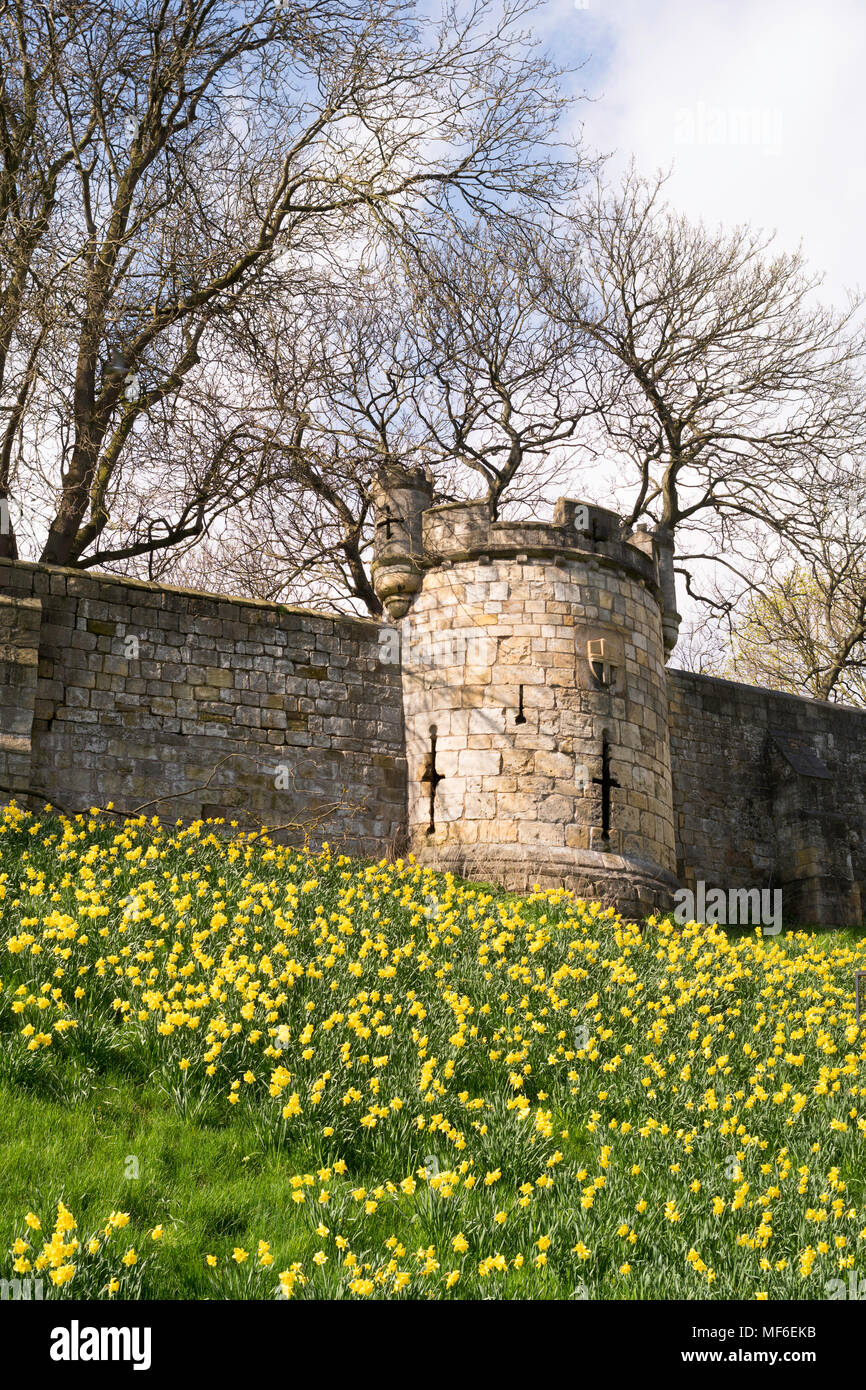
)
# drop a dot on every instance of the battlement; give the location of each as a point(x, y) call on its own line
point(412, 536)
point(579, 530)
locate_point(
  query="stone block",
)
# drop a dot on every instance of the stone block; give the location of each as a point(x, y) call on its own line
point(474, 762)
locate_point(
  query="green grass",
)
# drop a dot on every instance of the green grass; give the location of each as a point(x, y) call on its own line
point(718, 1068)
point(211, 1186)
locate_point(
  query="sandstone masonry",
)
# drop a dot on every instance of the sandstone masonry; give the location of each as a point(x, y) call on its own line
point(514, 719)
point(113, 690)
point(538, 748)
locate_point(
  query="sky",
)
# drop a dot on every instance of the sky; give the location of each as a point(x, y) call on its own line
point(758, 105)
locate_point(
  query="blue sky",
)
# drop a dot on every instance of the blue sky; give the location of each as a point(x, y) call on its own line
point(759, 104)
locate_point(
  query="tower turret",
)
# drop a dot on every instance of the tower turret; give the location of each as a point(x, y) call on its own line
point(536, 706)
point(400, 496)
point(663, 540)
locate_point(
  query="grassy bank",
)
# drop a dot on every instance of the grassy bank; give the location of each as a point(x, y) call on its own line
point(358, 1080)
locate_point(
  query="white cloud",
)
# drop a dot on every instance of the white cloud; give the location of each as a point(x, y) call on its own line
point(759, 107)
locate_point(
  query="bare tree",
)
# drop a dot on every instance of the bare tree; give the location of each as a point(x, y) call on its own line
point(504, 383)
point(36, 149)
point(735, 388)
point(800, 624)
point(329, 386)
point(435, 355)
point(167, 159)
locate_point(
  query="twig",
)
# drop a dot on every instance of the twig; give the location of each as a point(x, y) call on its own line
point(308, 822)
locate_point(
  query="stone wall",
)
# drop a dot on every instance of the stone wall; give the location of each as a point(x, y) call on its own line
point(770, 791)
point(113, 690)
point(141, 691)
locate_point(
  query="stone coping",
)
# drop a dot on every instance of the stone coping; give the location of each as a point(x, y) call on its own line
point(80, 578)
point(757, 694)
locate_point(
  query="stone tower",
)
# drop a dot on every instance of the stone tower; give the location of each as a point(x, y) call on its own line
point(535, 695)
